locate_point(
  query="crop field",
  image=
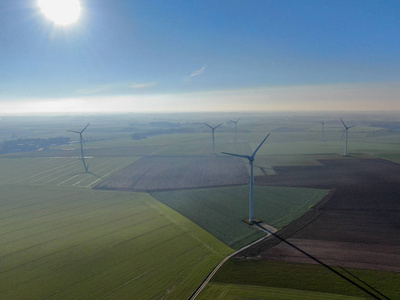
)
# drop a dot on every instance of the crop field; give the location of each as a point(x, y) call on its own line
point(297, 278)
point(235, 291)
point(60, 171)
point(361, 219)
point(70, 243)
point(357, 228)
point(220, 210)
point(167, 173)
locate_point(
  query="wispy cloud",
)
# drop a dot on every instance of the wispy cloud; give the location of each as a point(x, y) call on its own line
point(198, 72)
point(136, 85)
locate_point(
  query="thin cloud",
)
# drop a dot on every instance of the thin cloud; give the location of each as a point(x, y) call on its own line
point(136, 85)
point(198, 72)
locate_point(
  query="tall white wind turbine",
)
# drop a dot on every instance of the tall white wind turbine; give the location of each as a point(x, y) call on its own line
point(346, 129)
point(235, 127)
point(213, 138)
point(322, 131)
point(82, 142)
point(251, 159)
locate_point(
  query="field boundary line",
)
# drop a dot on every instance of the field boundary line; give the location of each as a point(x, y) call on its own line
point(205, 282)
point(313, 213)
point(292, 228)
point(102, 177)
point(180, 226)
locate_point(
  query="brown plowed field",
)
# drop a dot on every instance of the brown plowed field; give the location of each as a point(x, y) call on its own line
point(358, 227)
point(172, 173)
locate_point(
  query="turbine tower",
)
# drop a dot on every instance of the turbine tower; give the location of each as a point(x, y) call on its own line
point(213, 138)
point(322, 132)
point(251, 159)
point(235, 127)
point(346, 130)
point(82, 142)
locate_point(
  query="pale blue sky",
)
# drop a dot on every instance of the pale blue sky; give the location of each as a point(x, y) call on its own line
point(201, 55)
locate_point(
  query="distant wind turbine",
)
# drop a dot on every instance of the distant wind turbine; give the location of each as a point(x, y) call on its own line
point(322, 131)
point(213, 138)
point(251, 159)
point(235, 127)
point(346, 130)
point(82, 142)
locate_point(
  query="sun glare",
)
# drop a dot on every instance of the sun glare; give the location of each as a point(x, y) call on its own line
point(61, 12)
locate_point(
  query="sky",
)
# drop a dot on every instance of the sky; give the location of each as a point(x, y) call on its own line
point(187, 55)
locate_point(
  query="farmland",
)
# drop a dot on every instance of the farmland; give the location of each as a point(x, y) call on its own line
point(233, 291)
point(65, 243)
point(168, 173)
point(173, 211)
point(294, 279)
point(221, 210)
point(357, 229)
point(60, 171)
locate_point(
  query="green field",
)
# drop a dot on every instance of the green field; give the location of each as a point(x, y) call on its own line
point(74, 243)
point(251, 292)
point(302, 277)
point(220, 211)
point(60, 171)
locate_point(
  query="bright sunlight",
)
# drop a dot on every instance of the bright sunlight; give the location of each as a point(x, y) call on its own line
point(61, 12)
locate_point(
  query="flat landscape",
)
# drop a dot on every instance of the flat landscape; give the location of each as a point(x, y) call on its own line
point(76, 243)
point(358, 228)
point(156, 212)
point(361, 220)
point(221, 211)
point(171, 173)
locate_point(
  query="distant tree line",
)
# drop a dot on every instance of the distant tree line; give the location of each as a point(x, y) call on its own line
point(27, 145)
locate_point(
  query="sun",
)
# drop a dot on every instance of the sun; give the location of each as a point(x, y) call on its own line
point(61, 12)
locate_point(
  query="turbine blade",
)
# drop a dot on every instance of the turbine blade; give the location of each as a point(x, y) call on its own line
point(208, 125)
point(218, 126)
point(73, 131)
point(255, 151)
point(344, 123)
point(344, 130)
point(85, 127)
point(351, 126)
point(238, 155)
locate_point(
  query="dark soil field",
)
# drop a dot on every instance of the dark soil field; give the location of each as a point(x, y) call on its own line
point(359, 226)
point(172, 173)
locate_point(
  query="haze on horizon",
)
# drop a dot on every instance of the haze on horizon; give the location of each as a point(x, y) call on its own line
point(180, 56)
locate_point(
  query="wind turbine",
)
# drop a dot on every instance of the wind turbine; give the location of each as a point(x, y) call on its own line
point(82, 142)
point(322, 132)
point(213, 139)
point(251, 159)
point(346, 129)
point(235, 127)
